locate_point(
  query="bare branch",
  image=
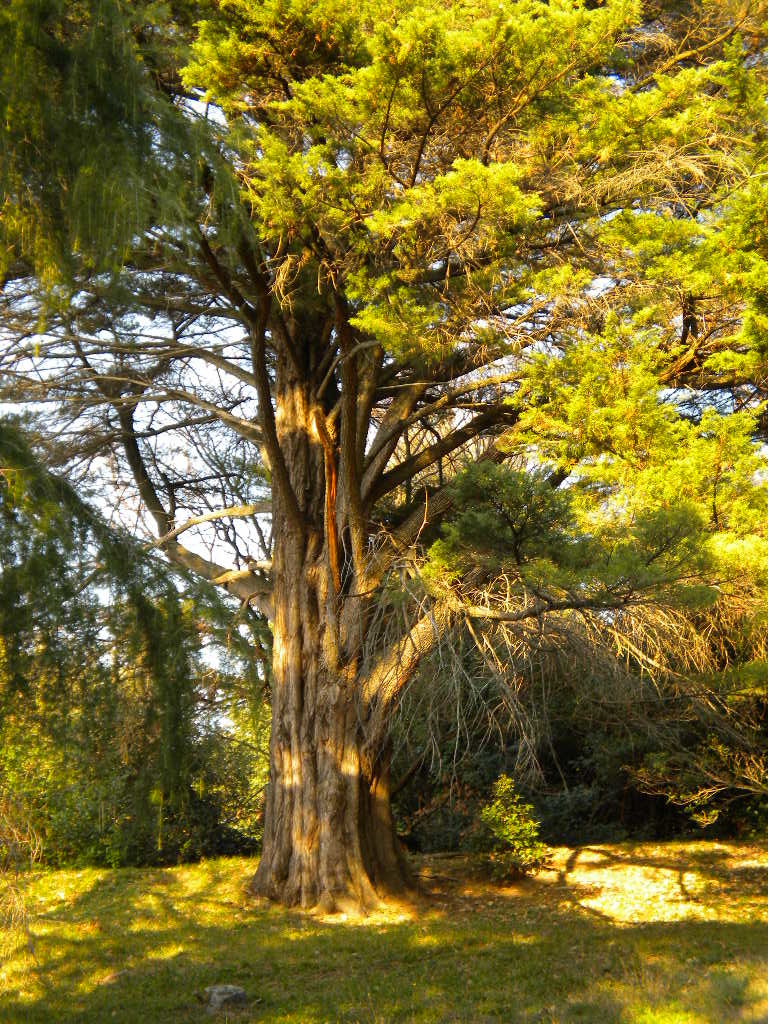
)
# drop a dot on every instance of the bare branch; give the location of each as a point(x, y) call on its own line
point(234, 511)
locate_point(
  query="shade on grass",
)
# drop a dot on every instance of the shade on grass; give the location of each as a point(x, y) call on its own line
point(642, 934)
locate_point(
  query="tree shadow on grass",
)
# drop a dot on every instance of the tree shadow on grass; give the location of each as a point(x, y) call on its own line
point(136, 947)
point(711, 862)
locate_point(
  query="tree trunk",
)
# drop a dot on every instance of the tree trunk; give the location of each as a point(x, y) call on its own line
point(329, 838)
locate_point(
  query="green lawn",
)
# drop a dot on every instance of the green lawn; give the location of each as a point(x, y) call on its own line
point(632, 933)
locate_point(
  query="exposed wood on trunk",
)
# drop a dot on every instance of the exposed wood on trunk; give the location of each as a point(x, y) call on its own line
point(330, 498)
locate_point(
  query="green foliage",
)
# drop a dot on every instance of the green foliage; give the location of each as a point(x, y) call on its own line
point(90, 156)
point(514, 832)
point(105, 729)
point(74, 133)
point(328, 125)
point(658, 500)
point(505, 517)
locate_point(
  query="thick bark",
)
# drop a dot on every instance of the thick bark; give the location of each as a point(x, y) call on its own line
point(329, 838)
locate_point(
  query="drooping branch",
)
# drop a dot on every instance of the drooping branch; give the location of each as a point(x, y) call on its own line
point(540, 607)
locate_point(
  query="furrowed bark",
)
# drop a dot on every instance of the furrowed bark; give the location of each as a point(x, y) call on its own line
point(329, 839)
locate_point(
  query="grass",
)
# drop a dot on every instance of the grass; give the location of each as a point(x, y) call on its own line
point(632, 933)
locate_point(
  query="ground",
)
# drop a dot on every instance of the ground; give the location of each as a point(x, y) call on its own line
point(634, 934)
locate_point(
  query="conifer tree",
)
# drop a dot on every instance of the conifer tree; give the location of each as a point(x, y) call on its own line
point(108, 716)
point(373, 249)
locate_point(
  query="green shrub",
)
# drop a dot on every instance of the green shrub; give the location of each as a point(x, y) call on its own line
point(512, 832)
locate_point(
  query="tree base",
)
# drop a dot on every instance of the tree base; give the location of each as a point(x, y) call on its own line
point(359, 898)
point(352, 871)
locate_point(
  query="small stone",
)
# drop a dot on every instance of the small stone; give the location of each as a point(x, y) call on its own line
point(219, 997)
point(113, 977)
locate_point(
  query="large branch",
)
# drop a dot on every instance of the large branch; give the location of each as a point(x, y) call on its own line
point(388, 677)
point(227, 285)
point(406, 470)
point(249, 588)
point(147, 491)
point(400, 540)
point(404, 410)
point(388, 434)
point(254, 315)
point(543, 606)
point(277, 325)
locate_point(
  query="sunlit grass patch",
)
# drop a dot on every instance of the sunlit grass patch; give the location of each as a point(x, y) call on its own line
point(630, 934)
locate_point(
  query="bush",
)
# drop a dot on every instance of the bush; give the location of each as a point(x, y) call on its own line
point(512, 833)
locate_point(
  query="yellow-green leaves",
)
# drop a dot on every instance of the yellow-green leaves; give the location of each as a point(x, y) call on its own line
point(404, 154)
point(471, 206)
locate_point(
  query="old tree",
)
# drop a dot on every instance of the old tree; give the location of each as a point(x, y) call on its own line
point(434, 316)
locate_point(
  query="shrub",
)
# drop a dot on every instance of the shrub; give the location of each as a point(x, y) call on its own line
point(512, 832)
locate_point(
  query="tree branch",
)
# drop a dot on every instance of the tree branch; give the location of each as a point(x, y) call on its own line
point(428, 456)
point(234, 511)
point(386, 680)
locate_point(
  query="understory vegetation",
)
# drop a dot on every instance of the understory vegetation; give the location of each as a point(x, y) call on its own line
point(121, 741)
